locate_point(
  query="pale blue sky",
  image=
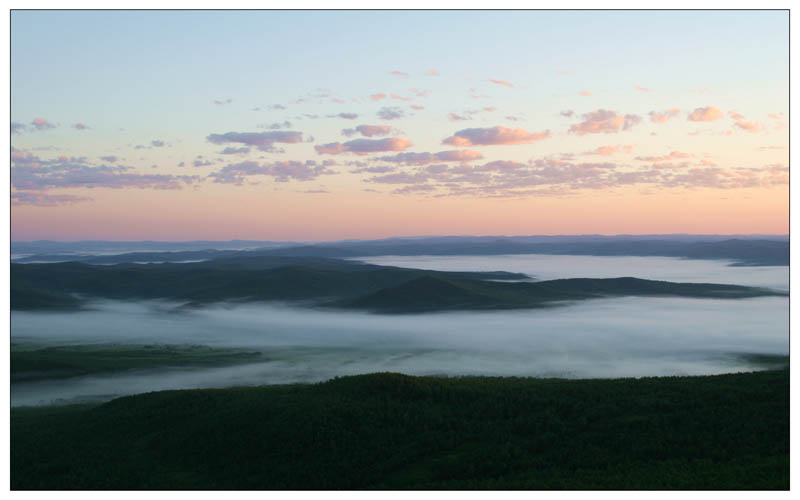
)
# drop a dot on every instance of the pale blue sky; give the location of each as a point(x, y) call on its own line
point(134, 77)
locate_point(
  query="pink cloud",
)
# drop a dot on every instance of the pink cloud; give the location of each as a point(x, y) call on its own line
point(642, 88)
point(420, 92)
point(432, 72)
point(337, 100)
point(455, 117)
point(281, 171)
point(333, 148)
point(41, 124)
point(610, 150)
point(369, 130)
point(474, 95)
point(364, 146)
point(584, 93)
point(604, 121)
point(501, 82)
point(673, 155)
point(378, 96)
point(742, 123)
point(400, 98)
point(398, 73)
point(463, 155)
point(417, 107)
point(492, 136)
point(45, 200)
point(707, 114)
point(264, 141)
point(664, 116)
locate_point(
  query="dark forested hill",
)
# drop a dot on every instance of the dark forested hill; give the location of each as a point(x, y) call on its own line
point(390, 431)
point(324, 282)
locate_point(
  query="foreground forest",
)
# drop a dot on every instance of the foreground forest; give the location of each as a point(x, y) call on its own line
point(391, 431)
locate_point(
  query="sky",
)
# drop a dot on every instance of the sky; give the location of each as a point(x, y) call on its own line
point(326, 125)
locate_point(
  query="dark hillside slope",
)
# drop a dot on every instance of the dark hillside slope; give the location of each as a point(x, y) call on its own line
point(390, 431)
point(325, 282)
point(440, 294)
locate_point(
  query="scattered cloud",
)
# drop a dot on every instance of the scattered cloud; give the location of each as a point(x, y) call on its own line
point(707, 114)
point(235, 151)
point(44, 199)
point(378, 96)
point(399, 73)
point(263, 141)
point(157, 143)
point(390, 113)
point(399, 97)
point(492, 136)
point(31, 173)
point(463, 155)
point(455, 117)
point(474, 94)
point(109, 158)
point(417, 107)
point(276, 125)
point(584, 93)
point(560, 177)
point(380, 169)
point(420, 92)
point(364, 146)
point(567, 113)
point(501, 82)
point(344, 116)
point(369, 130)
point(743, 124)
point(17, 127)
point(81, 126)
point(276, 107)
point(642, 88)
point(610, 150)
point(222, 102)
point(432, 72)
point(280, 171)
point(673, 155)
point(604, 121)
point(41, 124)
point(664, 116)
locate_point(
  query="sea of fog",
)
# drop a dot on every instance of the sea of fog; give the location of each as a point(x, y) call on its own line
point(616, 337)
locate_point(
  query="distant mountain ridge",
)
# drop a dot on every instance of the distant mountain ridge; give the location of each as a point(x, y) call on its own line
point(743, 251)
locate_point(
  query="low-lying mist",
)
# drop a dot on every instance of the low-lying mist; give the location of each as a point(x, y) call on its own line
point(618, 337)
point(547, 267)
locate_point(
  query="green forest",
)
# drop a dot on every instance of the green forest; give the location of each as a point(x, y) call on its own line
point(391, 431)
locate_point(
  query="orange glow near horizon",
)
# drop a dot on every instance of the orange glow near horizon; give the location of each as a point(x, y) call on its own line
point(283, 215)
